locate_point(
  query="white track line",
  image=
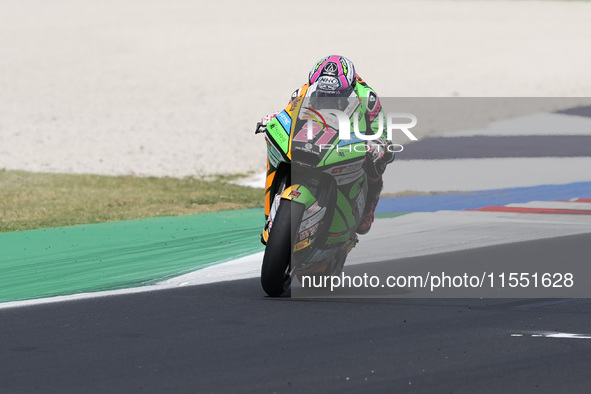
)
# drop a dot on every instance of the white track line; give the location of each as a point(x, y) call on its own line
point(553, 334)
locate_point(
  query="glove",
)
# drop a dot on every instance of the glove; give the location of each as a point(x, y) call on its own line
point(381, 155)
point(262, 125)
point(268, 118)
point(376, 149)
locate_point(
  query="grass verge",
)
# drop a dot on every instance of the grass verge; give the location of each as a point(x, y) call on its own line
point(33, 200)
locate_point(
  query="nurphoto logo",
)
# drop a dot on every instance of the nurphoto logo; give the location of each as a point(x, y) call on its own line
point(344, 126)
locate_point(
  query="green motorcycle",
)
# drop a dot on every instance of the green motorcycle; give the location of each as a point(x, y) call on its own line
point(316, 191)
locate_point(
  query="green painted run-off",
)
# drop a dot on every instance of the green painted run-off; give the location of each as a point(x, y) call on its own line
point(108, 256)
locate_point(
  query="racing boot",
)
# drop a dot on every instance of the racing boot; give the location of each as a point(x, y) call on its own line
point(374, 188)
point(378, 157)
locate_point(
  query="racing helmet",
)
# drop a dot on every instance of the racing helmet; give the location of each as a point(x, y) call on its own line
point(334, 76)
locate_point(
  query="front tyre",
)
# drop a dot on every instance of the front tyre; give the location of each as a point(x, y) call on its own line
point(276, 270)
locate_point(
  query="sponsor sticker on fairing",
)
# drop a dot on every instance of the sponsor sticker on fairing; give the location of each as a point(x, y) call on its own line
point(313, 208)
point(301, 245)
point(294, 194)
point(308, 232)
point(348, 178)
point(310, 220)
point(285, 121)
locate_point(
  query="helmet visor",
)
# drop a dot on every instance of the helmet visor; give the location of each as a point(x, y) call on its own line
point(323, 99)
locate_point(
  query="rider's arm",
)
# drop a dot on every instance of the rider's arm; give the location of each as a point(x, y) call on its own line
point(378, 148)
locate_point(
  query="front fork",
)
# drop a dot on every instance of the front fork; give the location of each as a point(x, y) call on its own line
point(278, 179)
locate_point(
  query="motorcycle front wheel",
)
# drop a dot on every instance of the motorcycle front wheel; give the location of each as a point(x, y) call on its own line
point(276, 269)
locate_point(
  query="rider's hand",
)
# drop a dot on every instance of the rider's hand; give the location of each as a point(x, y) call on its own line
point(380, 151)
point(268, 118)
point(376, 149)
point(262, 125)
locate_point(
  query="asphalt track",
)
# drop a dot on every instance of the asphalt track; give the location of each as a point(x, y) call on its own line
point(228, 337)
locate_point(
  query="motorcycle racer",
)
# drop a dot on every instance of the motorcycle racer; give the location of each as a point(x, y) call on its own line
point(334, 78)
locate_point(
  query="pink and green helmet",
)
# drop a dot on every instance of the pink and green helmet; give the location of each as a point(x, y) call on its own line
point(333, 75)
